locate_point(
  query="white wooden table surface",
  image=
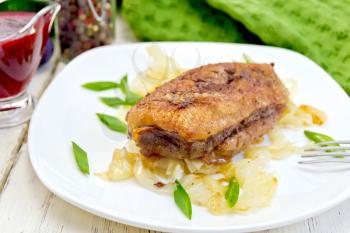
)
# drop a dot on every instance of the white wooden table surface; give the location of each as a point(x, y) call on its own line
point(27, 206)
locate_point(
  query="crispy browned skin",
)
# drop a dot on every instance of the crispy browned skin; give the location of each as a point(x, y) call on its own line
point(210, 112)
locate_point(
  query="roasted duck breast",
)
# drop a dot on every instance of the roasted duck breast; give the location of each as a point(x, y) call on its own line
point(211, 112)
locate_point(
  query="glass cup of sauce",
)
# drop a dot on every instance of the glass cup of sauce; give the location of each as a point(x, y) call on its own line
point(23, 36)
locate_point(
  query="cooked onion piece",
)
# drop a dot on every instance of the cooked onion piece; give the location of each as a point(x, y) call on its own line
point(193, 165)
point(246, 168)
point(162, 68)
point(280, 147)
point(205, 184)
point(318, 117)
point(169, 169)
point(197, 189)
point(121, 167)
point(150, 180)
point(292, 86)
point(257, 188)
point(274, 152)
point(132, 148)
point(228, 170)
point(257, 192)
point(294, 118)
point(304, 115)
point(277, 137)
point(206, 191)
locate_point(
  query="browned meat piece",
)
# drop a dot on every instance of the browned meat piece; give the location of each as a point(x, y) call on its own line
point(211, 112)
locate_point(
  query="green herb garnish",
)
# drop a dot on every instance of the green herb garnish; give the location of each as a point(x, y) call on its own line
point(81, 159)
point(232, 192)
point(112, 122)
point(246, 58)
point(100, 86)
point(317, 137)
point(123, 84)
point(182, 200)
point(130, 96)
point(113, 101)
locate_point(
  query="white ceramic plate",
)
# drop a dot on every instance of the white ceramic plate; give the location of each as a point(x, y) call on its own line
point(66, 112)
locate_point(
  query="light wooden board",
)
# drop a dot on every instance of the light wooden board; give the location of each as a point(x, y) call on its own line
point(12, 138)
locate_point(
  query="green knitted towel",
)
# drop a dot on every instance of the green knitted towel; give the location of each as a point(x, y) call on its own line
point(172, 20)
point(320, 29)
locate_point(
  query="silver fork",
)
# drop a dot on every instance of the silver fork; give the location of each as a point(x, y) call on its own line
point(327, 152)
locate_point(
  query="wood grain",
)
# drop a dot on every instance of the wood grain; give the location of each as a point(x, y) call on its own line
point(12, 138)
point(27, 206)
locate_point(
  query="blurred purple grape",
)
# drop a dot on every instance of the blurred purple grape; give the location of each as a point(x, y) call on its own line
point(48, 52)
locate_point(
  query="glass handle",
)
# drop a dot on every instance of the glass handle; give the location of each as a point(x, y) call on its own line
point(100, 18)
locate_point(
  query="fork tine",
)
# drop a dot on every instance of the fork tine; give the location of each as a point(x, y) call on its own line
point(324, 161)
point(318, 154)
point(333, 142)
point(329, 148)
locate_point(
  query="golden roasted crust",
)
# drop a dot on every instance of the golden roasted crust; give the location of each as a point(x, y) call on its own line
point(206, 100)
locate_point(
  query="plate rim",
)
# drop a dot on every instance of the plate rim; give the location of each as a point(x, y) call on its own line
point(159, 227)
